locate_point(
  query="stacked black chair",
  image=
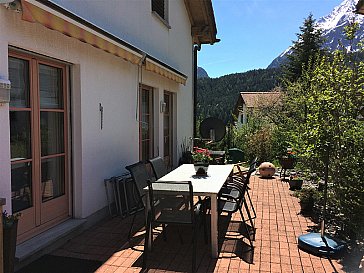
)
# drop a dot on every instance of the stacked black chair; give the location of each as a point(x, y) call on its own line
point(246, 177)
point(231, 205)
point(140, 176)
point(158, 166)
point(233, 196)
point(163, 210)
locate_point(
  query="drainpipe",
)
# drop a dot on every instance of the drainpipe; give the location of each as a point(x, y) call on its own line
point(195, 49)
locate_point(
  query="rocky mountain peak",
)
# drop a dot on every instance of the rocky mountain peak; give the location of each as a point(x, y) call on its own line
point(332, 26)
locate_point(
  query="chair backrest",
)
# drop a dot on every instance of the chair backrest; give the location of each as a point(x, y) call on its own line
point(140, 175)
point(171, 202)
point(254, 161)
point(245, 176)
point(158, 166)
point(252, 168)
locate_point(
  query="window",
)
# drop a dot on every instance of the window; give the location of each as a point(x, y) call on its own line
point(146, 123)
point(160, 7)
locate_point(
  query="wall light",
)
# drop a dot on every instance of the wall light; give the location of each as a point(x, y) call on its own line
point(163, 106)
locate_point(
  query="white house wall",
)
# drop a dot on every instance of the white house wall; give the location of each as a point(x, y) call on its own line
point(99, 77)
point(133, 21)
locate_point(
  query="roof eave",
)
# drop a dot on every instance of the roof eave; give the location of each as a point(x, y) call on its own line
point(360, 7)
point(203, 25)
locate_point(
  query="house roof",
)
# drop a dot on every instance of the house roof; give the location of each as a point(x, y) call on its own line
point(203, 25)
point(257, 100)
point(360, 7)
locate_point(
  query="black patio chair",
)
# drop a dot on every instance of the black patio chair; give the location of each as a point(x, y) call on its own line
point(246, 177)
point(171, 203)
point(231, 205)
point(140, 176)
point(234, 192)
point(158, 166)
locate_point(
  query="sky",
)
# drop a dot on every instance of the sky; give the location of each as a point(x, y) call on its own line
point(254, 32)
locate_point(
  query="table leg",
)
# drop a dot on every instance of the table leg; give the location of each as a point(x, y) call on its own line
point(214, 227)
point(146, 209)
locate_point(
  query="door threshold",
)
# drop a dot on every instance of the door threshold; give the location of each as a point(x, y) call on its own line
point(47, 241)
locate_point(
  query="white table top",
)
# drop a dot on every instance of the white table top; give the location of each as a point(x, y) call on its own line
point(210, 184)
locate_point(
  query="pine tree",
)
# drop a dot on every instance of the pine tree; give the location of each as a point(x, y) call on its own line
point(304, 50)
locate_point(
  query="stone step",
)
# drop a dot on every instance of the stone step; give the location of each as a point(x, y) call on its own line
point(47, 241)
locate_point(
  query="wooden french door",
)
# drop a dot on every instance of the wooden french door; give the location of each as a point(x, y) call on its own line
point(38, 142)
point(168, 128)
point(146, 120)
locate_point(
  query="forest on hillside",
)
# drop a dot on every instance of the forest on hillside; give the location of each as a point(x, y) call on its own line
point(216, 97)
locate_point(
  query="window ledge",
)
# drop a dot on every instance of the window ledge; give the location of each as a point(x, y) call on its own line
point(164, 22)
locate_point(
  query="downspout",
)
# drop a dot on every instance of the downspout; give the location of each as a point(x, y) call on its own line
point(196, 48)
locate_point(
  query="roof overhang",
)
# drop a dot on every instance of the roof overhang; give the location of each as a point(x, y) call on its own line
point(360, 7)
point(203, 25)
point(59, 19)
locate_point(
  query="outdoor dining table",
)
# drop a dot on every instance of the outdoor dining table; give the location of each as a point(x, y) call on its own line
point(208, 185)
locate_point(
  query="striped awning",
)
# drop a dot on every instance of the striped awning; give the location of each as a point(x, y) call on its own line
point(76, 27)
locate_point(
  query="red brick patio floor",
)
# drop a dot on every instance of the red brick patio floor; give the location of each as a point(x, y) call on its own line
point(278, 224)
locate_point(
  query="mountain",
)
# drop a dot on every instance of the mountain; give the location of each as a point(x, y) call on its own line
point(201, 73)
point(216, 97)
point(332, 27)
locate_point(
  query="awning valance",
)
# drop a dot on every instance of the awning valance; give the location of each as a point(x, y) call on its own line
point(155, 67)
point(56, 18)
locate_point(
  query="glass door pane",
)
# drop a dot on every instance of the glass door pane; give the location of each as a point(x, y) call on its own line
point(50, 87)
point(167, 128)
point(52, 132)
point(145, 124)
point(52, 178)
point(21, 186)
point(19, 78)
point(20, 135)
point(20, 140)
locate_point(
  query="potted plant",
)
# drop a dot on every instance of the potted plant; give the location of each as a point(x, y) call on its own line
point(295, 181)
point(307, 198)
point(288, 160)
point(186, 155)
point(10, 229)
point(201, 160)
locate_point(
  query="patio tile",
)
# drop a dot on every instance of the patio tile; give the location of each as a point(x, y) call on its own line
point(277, 226)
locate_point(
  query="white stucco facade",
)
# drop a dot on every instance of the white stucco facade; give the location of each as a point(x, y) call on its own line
point(99, 77)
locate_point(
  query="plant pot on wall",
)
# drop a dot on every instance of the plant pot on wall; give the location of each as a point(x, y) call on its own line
point(9, 245)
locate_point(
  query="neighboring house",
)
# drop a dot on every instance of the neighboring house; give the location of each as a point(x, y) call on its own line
point(251, 101)
point(94, 86)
